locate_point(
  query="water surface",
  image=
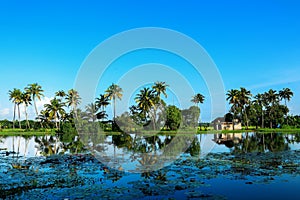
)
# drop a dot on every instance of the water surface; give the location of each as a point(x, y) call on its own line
point(248, 166)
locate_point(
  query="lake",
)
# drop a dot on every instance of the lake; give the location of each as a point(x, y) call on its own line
point(132, 166)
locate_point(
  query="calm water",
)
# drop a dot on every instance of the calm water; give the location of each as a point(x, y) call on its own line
point(231, 166)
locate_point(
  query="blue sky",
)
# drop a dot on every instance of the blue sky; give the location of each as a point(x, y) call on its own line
point(255, 44)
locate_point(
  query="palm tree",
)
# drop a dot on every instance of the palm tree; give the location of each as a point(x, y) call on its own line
point(146, 100)
point(160, 87)
point(102, 101)
point(26, 98)
point(60, 94)
point(114, 92)
point(286, 94)
point(91, 112)
point(260, 101)
point(44, 117)
point(232, 97)
point(15, 96)
point(36, 91)
point(198, 98)
point(55, 110)
point(272, 99)
point(12, 94)
point(244, 100)
point(73, 100)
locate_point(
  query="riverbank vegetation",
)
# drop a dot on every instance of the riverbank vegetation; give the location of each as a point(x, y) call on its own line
point(262, 112)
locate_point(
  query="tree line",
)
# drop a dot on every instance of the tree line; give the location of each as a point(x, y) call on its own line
point(263, 109)
point(150, 109)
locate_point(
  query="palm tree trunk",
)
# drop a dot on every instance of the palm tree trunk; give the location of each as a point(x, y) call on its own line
point(154, 119)
point(56, 124)
point(262, 118)
point(14, 118)
point(233, 119)
point(19, 117)
point(287, 121)
point(26, 115)
point(36, 112)
point(114, 109)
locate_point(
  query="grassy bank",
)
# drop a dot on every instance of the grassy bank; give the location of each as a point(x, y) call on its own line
point(23, 132)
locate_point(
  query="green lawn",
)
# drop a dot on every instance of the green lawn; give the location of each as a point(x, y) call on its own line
point(23, 132)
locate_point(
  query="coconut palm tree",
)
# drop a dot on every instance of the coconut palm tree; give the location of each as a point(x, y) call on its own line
point(55, 110)
point(102, 101)
point(198, 98)
point(15, 96)
point(146, 101)
point(44, 117)
point(36, 91)
point(232, 97)
point(73, 100)
point(114, 92)
point(244, 97)
point(26, 98)
point(272, 99)
point(12, 94)
point(160, 88)
point(60, 94)
point(259, 99)
point(91, 112)
point(286, 94)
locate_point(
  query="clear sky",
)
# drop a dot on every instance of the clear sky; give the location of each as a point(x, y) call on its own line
point(255, 44)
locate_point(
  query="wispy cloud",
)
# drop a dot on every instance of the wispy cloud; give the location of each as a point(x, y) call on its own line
point(40, 106)
point(4, 113)
point(274, 83)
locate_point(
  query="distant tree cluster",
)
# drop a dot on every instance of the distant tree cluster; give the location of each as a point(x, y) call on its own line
point(264, 110)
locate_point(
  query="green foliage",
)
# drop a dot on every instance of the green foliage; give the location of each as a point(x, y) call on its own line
point(228, 117)
point(173, 116)
point(265, 109)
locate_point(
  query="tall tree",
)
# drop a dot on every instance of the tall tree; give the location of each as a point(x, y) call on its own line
point(102, 101)
point(114, 92)
point(91, 112)
point(198, 98)
point(15, 96)
point(260, 100)
point(244, 100)
point(272, 99)
point(55, 110)
point(36, 91)
point(60, 93)
point(73, 100)
point(26, 98)
point(286, 94)
point(146, 101)
point(232, 97)
point(160, 88)
point(44, 117)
